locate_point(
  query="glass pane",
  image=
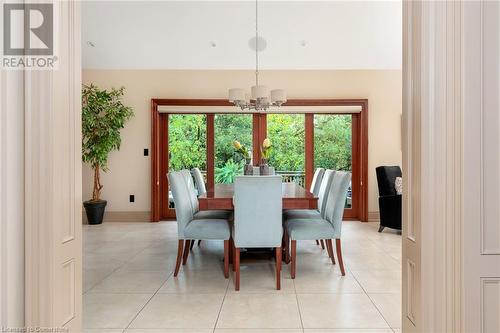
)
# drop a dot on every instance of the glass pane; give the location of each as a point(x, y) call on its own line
point(228, 128)
point(286, 132)
point(333, 144)
point(187, 143)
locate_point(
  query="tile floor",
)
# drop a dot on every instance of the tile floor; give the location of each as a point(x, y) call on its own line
point(129, 286)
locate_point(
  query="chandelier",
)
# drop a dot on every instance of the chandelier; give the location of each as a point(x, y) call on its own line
point(260, 99)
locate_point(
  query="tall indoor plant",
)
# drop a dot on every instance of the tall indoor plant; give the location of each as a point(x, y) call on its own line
point(103, 116)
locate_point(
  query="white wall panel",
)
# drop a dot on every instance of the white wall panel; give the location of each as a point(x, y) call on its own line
point(490, 226)
point(490, 305)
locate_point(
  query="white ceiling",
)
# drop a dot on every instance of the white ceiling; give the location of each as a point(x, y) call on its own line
point(299, 34)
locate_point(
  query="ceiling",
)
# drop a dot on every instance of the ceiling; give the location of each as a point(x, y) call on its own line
point(216, 34)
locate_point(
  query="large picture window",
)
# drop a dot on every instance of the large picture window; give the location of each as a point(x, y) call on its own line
point(301, 141)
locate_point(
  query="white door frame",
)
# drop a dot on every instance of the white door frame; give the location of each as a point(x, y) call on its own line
point(451, 86)
point(434, 278)
point(53, 182)
point(40, 148)
point(432, 163)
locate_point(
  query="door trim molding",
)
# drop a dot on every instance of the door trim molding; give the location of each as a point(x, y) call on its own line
point(53, 194)
point(432, 163)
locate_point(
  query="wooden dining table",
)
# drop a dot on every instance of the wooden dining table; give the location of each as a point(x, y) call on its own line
point(221, 197)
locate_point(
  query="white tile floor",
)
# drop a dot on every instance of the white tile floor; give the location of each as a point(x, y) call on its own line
point(129, 286)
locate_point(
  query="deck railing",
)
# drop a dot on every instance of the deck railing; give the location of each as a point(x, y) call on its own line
point(292, 176)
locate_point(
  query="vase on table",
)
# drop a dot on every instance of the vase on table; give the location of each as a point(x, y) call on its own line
point(264, 168)
point(248, 168)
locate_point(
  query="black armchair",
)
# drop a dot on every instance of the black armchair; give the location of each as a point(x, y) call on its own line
point(390, 203)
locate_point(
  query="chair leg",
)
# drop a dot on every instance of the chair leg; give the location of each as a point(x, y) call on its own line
point(278, 268)
point(329, 246)
point(191, 246)
point(317, 242)
point(199, 242)
point(339, 256)
point(186, 251)
point(294, 259)
point(380, 229)
point(287, 248)
point(322, 244)
point(230, 250)
point(180, 246)
point(237, 264)
point(234, 257)
point(226, 259)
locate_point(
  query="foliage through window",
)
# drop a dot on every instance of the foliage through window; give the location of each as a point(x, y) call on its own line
point(187, 141)
point(333, 144)
point(287, 135)
point(230, 127)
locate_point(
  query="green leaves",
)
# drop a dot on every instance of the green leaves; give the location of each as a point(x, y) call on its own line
point(187, 140)
point(228, 172)
point(103, 116)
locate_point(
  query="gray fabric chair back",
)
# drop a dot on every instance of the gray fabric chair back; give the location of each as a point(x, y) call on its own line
point(316, 182)
point(257, 211)
point(334, 209)
point(182, 201)
point(199, 181)
point(323, 190)
point(192, 192)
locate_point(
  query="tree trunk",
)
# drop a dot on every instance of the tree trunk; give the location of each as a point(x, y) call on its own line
point(96, 194)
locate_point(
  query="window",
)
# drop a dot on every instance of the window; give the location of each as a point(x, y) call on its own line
point(228, 128)
point(187, 144)
point(287, 135)
point(301, 142)
point(333, 144)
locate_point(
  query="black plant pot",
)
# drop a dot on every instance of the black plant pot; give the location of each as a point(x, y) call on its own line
point(95, 211)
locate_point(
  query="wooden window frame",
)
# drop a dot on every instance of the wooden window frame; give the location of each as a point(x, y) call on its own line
point(159, 147)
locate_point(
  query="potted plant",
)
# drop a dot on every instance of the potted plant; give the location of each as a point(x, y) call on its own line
point(103, 116)
point(265, 153)
point(239, 148)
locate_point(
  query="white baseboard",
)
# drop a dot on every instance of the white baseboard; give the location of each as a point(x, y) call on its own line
point(373, 217)
point(122, 217)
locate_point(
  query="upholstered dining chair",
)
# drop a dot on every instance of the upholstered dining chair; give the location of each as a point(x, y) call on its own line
point(316, 181)
point(257, 218)
point(200, 214)
point(327, 227)
point(322, 185)
point(190, 228)
point(199, 181)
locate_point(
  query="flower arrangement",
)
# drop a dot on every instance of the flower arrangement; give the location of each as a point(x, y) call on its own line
point(266, 148)
point(239, 148)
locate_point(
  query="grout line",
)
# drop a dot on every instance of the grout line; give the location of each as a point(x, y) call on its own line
point(149, 300)
point(371, 300)
point(297, 300)
point(224, 298)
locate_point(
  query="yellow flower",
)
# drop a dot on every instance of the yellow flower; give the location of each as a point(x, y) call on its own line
point(266, 143)
point(237, 145)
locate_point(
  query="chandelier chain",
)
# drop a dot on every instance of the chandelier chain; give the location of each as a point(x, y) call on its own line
point(257, 42)
point(260, 100)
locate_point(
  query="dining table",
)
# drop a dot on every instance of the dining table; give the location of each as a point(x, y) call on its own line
point(221, 197)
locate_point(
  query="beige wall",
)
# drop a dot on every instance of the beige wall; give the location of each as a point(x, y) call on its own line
point(130, 171)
